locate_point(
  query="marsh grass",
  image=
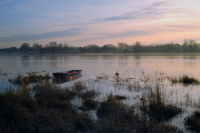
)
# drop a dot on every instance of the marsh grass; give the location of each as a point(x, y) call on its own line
point(44, 90)
point(51, 110)
point(115, 116)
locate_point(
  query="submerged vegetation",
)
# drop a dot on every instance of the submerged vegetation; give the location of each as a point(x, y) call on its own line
point(46, 107)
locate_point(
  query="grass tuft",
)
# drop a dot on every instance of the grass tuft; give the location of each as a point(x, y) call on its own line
point(193, 122)
point(162, 112)
point(89, 104)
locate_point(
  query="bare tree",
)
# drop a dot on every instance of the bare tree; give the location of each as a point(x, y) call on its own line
point(25, 47)
point(53, 47)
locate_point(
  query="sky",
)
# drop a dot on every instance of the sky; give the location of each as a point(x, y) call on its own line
point(84, 22)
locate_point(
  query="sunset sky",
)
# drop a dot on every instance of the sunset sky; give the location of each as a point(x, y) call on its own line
point(83, 22)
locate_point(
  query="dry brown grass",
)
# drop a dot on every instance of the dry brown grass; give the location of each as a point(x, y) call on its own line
point(51, 110)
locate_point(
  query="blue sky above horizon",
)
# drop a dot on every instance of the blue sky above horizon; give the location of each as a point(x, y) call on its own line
point(83, 22)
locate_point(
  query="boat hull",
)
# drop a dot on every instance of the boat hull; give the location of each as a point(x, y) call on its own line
point(67, 73)
point(60, 80)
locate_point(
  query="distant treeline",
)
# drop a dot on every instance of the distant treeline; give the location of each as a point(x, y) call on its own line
point(53, 47)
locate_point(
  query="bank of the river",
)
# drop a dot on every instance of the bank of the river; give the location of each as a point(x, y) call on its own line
point(108, 103)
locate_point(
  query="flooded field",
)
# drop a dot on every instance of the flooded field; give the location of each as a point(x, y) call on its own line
point(135, 79)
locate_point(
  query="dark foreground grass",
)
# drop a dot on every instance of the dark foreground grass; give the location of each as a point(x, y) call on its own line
point(193, 122)
point(51, 110)
point(115, 117)
point(89, 104)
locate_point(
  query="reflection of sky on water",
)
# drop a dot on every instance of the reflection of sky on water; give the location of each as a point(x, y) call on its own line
point(95, 64)
point(91, 64)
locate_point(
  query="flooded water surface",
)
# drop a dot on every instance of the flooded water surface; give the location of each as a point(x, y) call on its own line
point(95, 64)
point(92, 64)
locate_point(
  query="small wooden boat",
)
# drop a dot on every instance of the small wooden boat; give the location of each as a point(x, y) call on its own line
point(67, 73)
point(60, 80)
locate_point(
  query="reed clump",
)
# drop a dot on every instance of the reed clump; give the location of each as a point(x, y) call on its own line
point(162, 112)
point(185, 80)
point(89, 104)
point(45, 90)
point(193, 122)
point(88, 100)
point(110, 107)
point(79, 86)
point(30, 77)
point(156, 107)
point(117, 117)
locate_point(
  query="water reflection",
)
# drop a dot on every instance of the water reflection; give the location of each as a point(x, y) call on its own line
point(61, 80)
point(25, 60)
point(91, 64)
point(190, 57)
